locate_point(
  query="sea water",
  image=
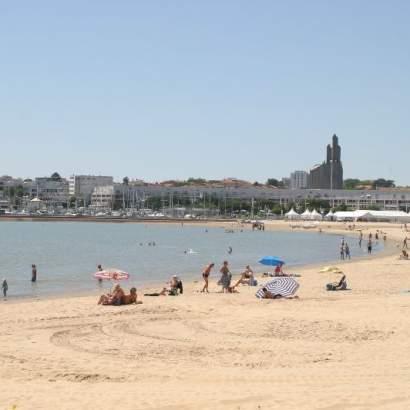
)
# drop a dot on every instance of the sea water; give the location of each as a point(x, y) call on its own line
point(67, 253)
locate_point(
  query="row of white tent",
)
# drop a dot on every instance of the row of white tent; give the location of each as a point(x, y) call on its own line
point(307, 215)
point(361, 214)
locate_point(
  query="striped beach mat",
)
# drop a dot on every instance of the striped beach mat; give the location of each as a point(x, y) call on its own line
point(283, 286)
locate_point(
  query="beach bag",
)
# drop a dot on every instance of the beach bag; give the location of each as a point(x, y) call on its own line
point(330, 286)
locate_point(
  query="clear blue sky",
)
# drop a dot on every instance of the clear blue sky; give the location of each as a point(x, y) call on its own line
point(173, 89)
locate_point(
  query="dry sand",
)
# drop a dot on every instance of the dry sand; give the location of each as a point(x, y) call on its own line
point(326, 350)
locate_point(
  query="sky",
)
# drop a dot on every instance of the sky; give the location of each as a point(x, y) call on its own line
point(163, 90)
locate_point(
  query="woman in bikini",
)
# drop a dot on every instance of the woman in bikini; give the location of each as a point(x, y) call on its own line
point(205, 274)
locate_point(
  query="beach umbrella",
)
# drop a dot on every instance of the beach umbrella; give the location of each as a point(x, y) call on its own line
point(271, 261)
point(111, 274)
point(330, 269)
point(284, 286)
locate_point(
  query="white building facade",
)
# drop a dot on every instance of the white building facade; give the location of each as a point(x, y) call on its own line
point(298, 180)
point(82, 186)
point(102, 197)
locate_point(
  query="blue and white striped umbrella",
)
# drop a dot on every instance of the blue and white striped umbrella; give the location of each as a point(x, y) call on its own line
point(283, 286)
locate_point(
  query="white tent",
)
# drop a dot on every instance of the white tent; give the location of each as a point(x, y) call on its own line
point(292, 214)
point(368, 215)
point(306, 214)
point(315, 215)
point(329, 215)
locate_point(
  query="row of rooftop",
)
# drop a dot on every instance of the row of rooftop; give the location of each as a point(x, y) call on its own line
point(103, 192)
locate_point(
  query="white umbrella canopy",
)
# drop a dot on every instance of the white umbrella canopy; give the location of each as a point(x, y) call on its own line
point(306, 214)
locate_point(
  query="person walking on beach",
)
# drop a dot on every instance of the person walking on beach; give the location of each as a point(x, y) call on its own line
point(360, 238)
point(33, 273)
point(347, 251)
point(205, 274)
point(405, 243)
point(5, 287)
point(369, 246)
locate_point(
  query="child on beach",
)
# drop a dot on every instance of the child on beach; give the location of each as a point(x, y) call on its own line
point(5, 287)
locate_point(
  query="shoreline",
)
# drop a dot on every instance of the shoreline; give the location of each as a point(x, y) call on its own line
point(108, 219)
point(389, 249)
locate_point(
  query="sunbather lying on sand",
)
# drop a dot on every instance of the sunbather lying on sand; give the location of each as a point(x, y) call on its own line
point(131, 298)
point(113, 298)
point(175, 287)
point(269, 295)
point(341, 285)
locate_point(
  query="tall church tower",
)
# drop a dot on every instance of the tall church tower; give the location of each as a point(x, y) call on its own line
point(328, 175)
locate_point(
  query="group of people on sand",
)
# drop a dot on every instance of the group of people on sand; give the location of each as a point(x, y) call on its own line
point(247, 277)
point(118, 297)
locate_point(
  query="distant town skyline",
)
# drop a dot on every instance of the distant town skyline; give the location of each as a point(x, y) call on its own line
point(161, 91)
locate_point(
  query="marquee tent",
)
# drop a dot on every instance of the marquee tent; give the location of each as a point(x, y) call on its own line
point(292, 214)
point(369, 215)
point(315, 215)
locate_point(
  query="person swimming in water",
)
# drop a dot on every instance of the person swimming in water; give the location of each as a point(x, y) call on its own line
point(229, 249)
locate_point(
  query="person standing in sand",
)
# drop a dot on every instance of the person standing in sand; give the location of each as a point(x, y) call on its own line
point(205, 274)
point(226, 277)
point(405, 243)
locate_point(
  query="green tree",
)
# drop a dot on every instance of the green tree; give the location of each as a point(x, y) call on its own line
point(383, 183)
point(274, 182)
point(351, 183)
point(56, 176)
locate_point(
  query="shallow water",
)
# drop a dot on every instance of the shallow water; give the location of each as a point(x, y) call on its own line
point(67, 253)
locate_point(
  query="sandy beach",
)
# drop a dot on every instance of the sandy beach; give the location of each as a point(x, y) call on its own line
point(325, 350)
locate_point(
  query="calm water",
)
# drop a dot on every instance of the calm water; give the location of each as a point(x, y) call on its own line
point(67, 253)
